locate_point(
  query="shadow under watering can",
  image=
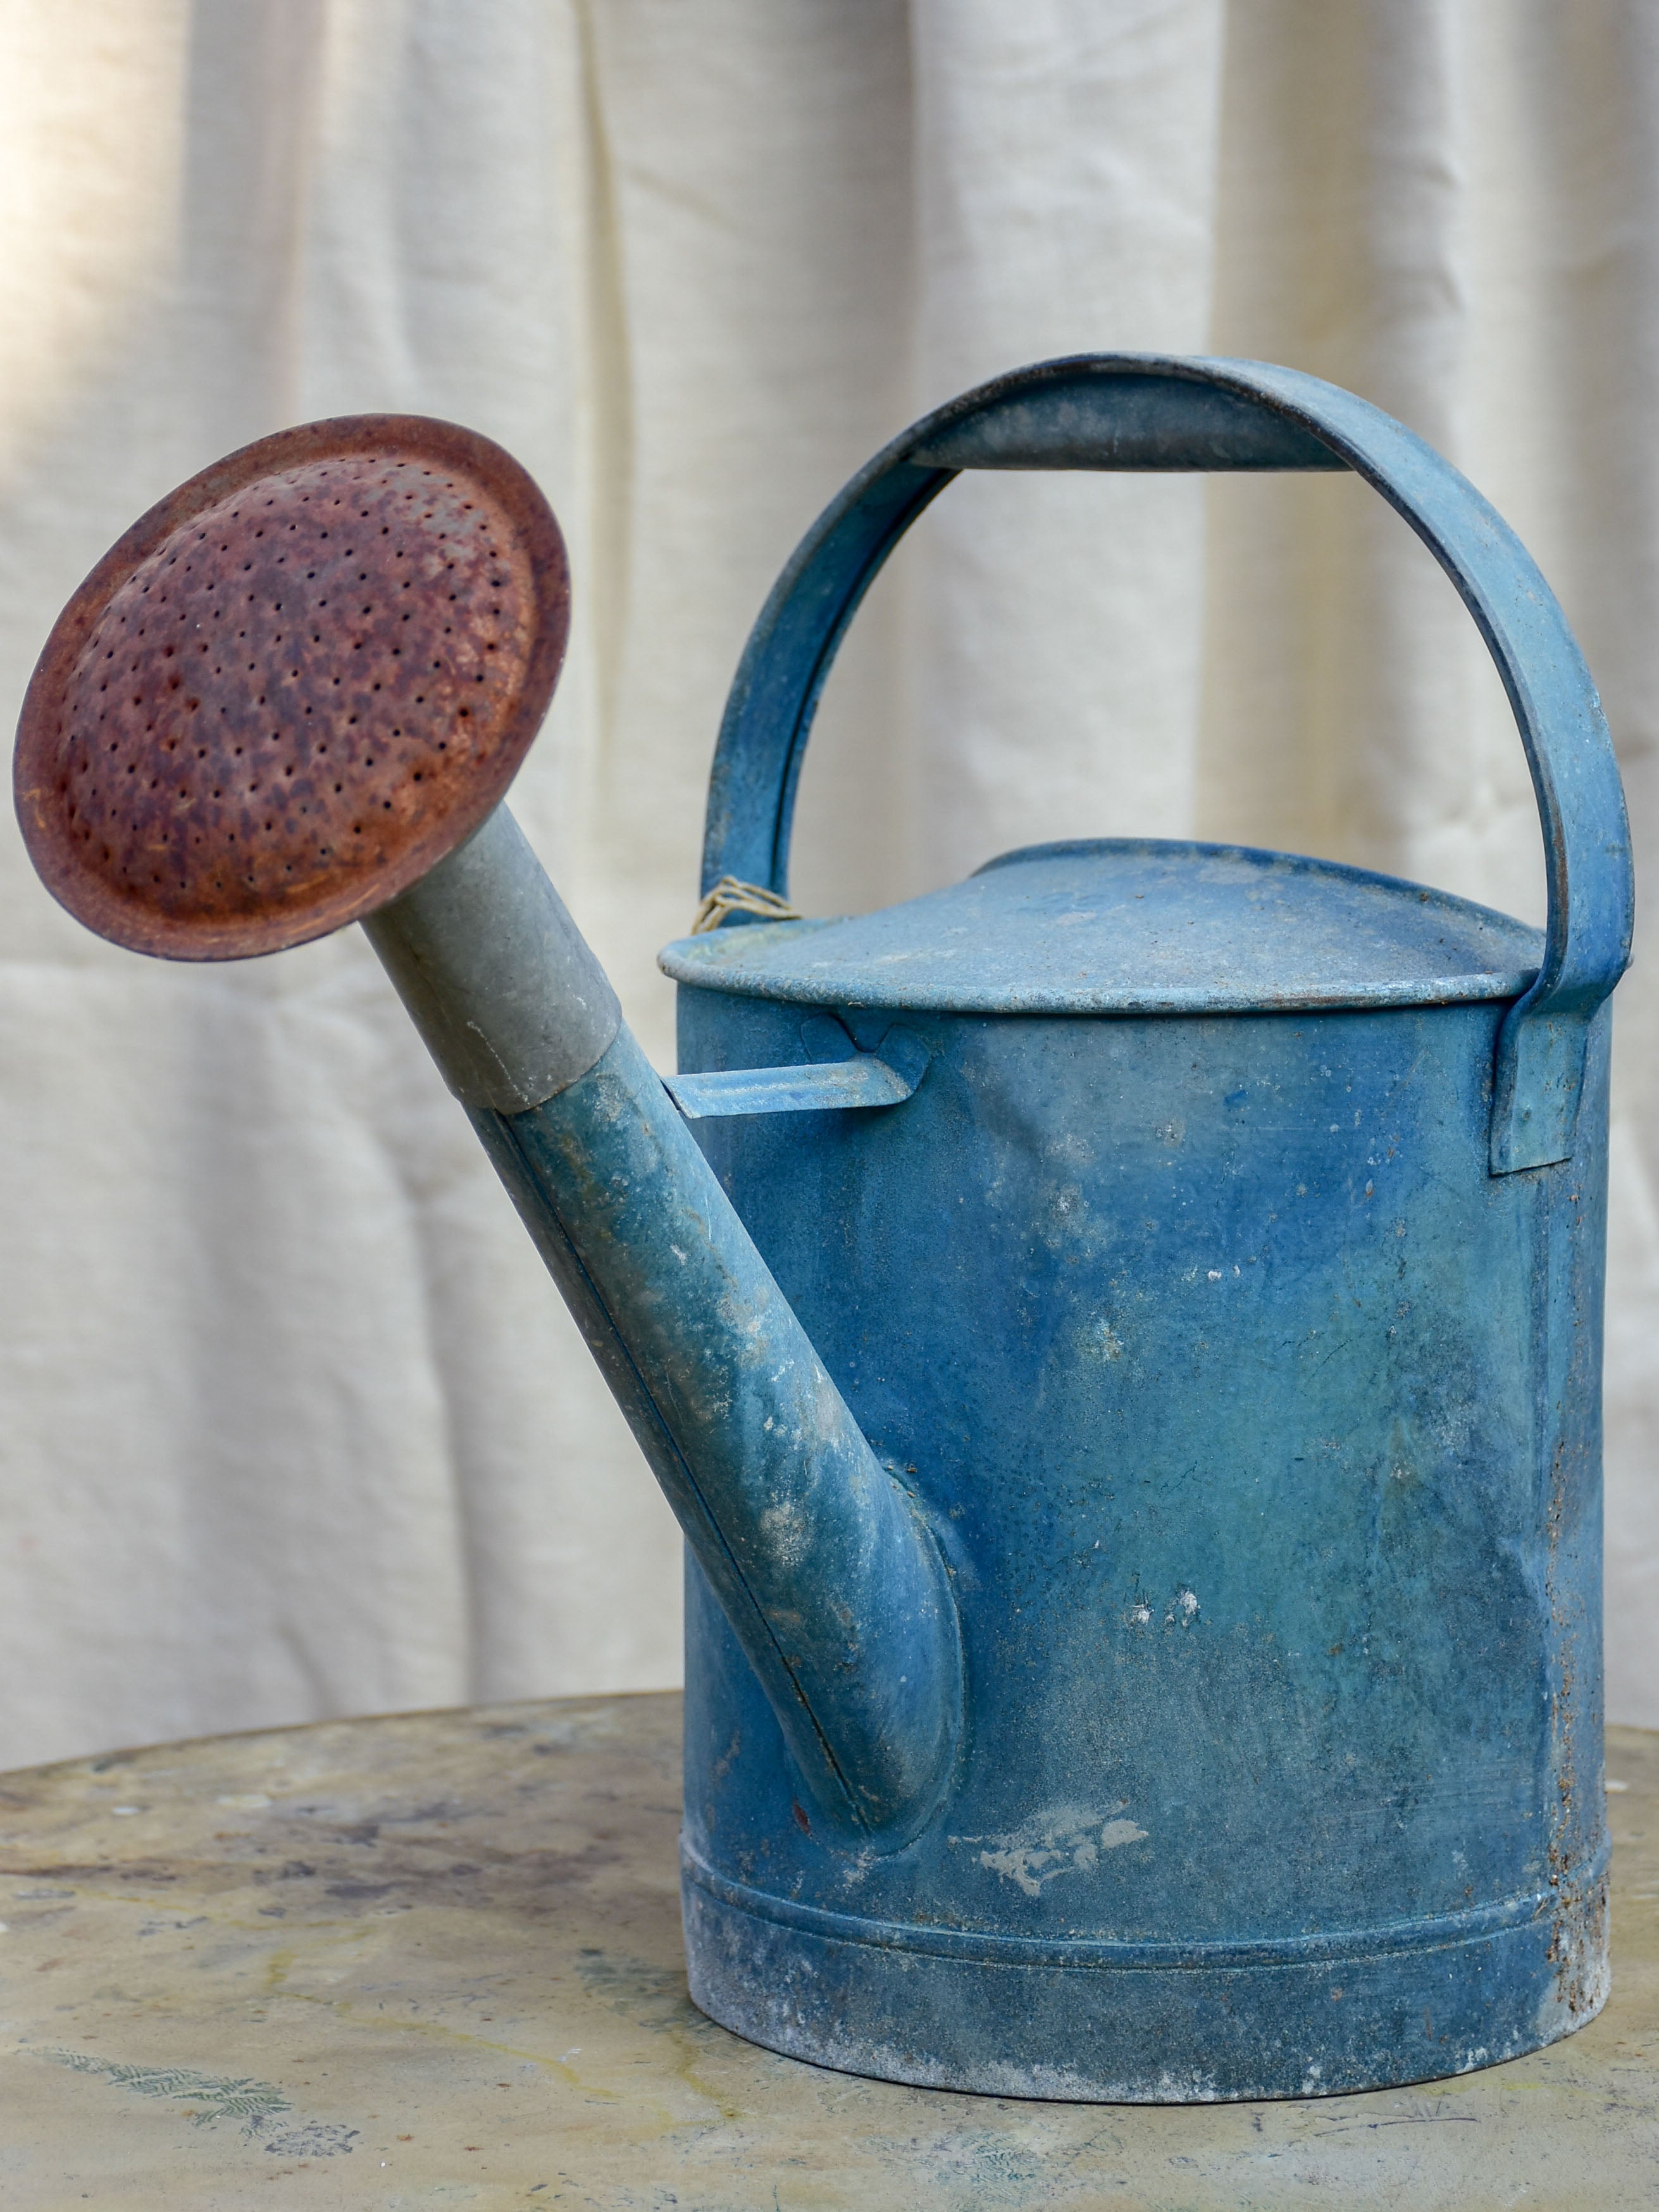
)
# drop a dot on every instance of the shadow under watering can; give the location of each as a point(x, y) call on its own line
point(1123, 1340)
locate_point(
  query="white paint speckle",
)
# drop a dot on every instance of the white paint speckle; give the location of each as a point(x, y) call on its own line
point(1215, 1274)
point(1118, 1833)
point(785, 1528)
point(122, 1811)
point(1059, 1839)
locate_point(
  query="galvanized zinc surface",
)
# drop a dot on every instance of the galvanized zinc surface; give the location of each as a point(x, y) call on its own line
point(1256, 1421)
point(1131, 925)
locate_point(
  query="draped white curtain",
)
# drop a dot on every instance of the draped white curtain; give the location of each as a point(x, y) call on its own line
point(290, 1422)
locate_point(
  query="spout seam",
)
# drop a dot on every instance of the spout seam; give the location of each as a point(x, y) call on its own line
point(664, 1439)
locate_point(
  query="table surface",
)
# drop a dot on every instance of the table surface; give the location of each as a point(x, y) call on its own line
point(436, 1958)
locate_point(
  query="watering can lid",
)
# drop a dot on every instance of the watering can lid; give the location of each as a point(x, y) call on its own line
point(1134, 925)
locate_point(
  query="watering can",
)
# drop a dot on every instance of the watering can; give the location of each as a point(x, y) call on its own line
point(1122, 1335)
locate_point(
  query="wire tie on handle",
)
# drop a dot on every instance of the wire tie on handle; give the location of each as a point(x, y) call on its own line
point(733, 896)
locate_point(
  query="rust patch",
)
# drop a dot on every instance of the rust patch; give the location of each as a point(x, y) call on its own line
point(292, 687)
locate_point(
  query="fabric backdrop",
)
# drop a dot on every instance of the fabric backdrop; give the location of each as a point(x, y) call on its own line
point(293, 1425)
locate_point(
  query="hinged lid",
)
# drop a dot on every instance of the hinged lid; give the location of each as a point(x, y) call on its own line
point(1134, 925)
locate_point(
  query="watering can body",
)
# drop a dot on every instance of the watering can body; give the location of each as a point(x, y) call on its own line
point(1122, 1336)
point(1227, 1292)
point(1258, 1425)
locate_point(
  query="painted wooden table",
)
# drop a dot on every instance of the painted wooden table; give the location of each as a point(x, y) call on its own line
point(435, 1959)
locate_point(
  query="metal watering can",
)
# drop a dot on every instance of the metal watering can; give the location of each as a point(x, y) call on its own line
point(1123, 1343)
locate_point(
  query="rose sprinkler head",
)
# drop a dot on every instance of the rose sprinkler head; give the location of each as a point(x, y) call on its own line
point(292, 687)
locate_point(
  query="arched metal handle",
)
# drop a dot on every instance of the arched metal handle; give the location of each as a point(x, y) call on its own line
point(1146, 411)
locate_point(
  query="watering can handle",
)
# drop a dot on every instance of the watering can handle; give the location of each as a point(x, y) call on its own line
point(1147, 411)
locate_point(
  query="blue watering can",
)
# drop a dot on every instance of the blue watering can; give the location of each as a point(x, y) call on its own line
point(1122, 1335)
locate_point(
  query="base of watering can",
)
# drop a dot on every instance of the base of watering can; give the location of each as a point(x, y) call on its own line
point(1146, 2023)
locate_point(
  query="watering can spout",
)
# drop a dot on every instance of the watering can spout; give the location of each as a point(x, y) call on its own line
point(292, 696)
point(826, 1571)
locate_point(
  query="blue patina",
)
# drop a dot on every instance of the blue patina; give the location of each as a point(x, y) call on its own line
point(1228, 1294)
point(1123, 1338)
point(1146, 411)
point(1135, 925)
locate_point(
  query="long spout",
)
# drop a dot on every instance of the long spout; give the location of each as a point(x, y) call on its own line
point(291, 697)
point(825, 1569)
